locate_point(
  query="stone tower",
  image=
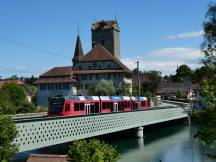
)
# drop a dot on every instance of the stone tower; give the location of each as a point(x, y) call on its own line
point(106, 33)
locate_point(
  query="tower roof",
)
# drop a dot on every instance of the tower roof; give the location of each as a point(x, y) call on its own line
point(78, 53)
point(105, 24)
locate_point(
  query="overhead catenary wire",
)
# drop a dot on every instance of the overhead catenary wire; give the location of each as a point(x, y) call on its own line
point(34, 48)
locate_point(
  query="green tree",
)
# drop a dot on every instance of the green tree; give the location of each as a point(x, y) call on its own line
point(155, 79)
point(183, 73)
point(199, 74)
point(6, 104)
point(92, 151)
point(104, 88)
point(16, 93)
point(206, 119)
point(179, 94)
point(123, 89)
point(7, 134)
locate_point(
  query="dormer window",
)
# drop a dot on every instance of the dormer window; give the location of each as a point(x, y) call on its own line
point(109, 66)
point(94, 65)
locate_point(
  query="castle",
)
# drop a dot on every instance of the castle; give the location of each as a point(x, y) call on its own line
point(101, 62)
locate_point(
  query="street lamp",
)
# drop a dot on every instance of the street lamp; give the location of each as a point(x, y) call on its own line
point(138, 77)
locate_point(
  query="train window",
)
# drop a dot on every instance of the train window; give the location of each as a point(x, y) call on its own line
point(96, 107)
point(142, 103)
point(104, 105)
point(125, 104)
point(76, 106)
point(128, 104)
point(67, 107)
point(81, 106)
point(92, 106)
point(111, 106)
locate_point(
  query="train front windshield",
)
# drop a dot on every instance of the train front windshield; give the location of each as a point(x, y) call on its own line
point(56, 106)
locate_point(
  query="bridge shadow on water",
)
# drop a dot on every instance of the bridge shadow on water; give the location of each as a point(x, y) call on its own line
point(152, 133)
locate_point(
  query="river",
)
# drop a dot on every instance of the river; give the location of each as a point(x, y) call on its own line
point(173, 143)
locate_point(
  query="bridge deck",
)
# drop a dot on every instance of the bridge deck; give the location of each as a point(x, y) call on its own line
point(51, 131)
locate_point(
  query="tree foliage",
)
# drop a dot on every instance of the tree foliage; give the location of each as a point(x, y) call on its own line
point(206, 119)
point(183, 73)
point(7, 134)
point(16, 93)
point(123, 89)
point(13, 100)
point(6, 104)
point(104, 88)
point(92, 151)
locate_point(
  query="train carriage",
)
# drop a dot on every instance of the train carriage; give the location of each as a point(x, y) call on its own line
point(82, 105)
point(73, 105)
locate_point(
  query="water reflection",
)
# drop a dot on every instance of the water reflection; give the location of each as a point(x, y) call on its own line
point(172, 144)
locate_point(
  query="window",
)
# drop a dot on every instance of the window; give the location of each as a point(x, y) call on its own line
point(81, 106)
point(76, 107)
point(108, 76)
point(80, 67)
point(142, 103)
point(90, 77)
point(104, 105)
point(96, 107)
point(49, 86)
point(90, 67)
point(66, 86)
point(67, 107)
point(108, 66)
point(94, 65)
point(52, 86)
point(97, 76)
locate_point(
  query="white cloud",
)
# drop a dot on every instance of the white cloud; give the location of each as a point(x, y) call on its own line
point(185, 35)
point(166, 59)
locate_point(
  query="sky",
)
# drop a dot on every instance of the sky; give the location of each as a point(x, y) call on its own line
point(36, 35)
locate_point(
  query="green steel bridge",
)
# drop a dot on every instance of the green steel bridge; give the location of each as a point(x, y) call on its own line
point(39, 132)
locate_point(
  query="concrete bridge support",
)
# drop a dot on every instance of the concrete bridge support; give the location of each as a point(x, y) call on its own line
point(140, 133)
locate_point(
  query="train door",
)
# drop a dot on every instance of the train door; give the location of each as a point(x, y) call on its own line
point(137, 105)
point(115, 106)
point(87, 109)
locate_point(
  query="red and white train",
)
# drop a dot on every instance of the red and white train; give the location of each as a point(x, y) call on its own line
point(82, 105)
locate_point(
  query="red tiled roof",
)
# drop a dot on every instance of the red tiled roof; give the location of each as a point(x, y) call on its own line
point(58, 71)
point(108, 24)
point(47, 158)
point(98, 71)
point(100, 53)
point(2, 82)
point(143, 78)
point(173, 87)
point(55, 80)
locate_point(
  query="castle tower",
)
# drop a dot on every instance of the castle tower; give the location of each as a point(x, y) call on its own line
point(106, 33)
point(78, 53)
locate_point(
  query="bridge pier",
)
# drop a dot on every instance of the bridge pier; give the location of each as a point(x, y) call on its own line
point(140, 133)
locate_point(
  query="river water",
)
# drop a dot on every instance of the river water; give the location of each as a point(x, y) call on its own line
point(172, 143)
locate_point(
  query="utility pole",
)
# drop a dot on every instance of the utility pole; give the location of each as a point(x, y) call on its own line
point(138, 77)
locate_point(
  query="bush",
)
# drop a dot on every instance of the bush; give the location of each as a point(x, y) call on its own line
point(92, 151)
point(7, 134)
point(26, 107)
point(16, 93)
point(6, 105)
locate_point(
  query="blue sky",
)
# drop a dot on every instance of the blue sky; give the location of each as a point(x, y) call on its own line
point(160, 33)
